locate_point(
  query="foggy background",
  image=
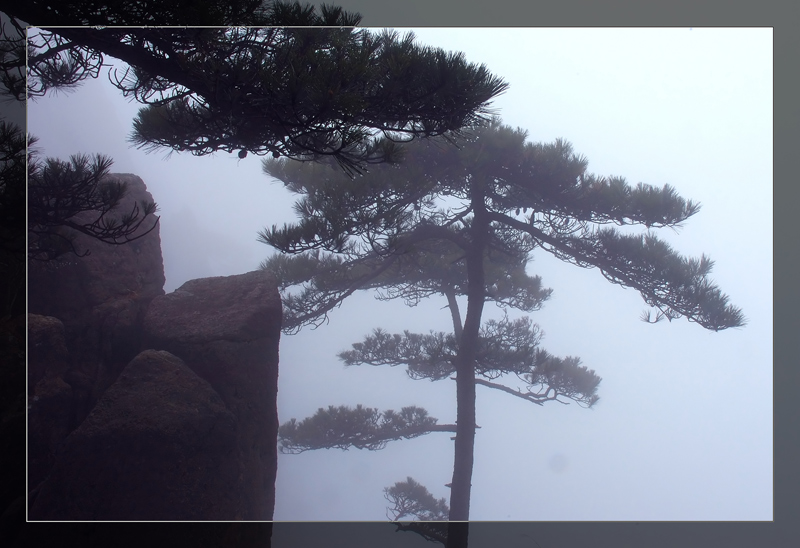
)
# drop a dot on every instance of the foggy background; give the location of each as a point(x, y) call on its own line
point(683, 429)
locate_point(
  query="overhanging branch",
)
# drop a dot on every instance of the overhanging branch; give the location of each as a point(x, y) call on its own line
point(665, 280)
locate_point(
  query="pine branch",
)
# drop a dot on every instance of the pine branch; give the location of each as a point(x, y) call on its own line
point(667, 281)
point(363, 428)
point(62, 195)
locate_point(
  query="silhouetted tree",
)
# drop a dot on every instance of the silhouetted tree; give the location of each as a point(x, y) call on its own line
point(411, 499)
point(493, 183)
point(507, 347)
point(299, 92)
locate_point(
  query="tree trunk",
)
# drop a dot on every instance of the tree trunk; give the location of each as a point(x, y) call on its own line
point(465, 377)
point(458, 534)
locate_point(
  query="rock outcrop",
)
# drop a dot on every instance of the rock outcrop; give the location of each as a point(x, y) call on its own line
point(145, 406)
point(227, 329)
point(159, 444)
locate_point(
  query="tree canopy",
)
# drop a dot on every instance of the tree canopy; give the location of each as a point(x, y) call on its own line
point(298, 92)
point(535, 194)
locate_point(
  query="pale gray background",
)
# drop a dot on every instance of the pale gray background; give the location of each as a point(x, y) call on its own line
point(683, 430)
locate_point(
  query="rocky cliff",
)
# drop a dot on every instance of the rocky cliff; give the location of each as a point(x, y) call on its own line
point(228, 329)
point(146, 406)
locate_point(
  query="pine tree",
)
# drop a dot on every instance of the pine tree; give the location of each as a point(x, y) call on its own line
point(496, 183)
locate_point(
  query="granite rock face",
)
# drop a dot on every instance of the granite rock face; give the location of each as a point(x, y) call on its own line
point(145, 406)
point(159, 445)
point(227, 330)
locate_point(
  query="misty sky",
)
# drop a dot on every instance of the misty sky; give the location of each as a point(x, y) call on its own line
point(683, 430)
